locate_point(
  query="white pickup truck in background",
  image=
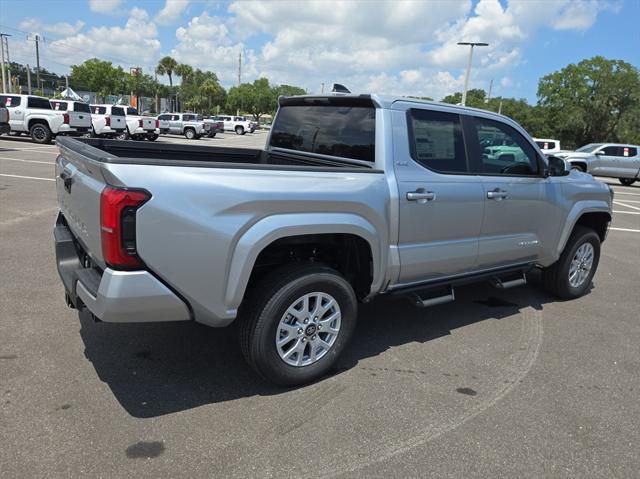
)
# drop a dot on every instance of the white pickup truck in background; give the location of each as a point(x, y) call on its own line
point(108, 120)
point(35, 116)
point(139, 127)
point(239, 124)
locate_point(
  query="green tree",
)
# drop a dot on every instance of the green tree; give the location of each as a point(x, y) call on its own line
point(475, 98)
point(99, 76)
point(591, 101)
point(166, 66)
point(287, 90)
point(256, 98)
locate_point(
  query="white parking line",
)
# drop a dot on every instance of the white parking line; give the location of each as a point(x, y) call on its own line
point(28, 177)
point(27, 161)
point(625, 229)
point(624, 193)
point(627, 212)
point(631, 201)
point(626, 206)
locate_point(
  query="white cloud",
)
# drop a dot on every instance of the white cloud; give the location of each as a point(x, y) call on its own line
point(105, 6)
point(61, 28)
point(172, 12)
point(134, 44)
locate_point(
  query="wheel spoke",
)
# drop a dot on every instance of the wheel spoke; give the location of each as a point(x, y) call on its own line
point(291, 338)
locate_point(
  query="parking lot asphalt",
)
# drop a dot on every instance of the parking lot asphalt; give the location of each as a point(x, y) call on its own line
point(497, 384)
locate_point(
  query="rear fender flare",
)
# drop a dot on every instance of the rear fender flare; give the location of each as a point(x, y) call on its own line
point(272, 228)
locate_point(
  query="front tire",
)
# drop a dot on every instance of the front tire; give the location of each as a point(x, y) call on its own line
point(627, 181)
point(570, 276)
point(296, 323)
point(40, 133)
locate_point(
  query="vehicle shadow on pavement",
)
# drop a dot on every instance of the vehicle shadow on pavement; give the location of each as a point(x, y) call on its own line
point(161, 368)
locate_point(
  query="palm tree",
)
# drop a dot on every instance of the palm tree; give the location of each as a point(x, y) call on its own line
point(209, 88)
point(185, 71)
point(167, 66)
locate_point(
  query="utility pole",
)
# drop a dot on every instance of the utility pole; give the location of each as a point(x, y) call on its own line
point(322, 88)
point(37, 40)
point(29, 79)
point(466, 78)
point(490, 88)
point(4, 43)
point(4, 77)
point(240, 68)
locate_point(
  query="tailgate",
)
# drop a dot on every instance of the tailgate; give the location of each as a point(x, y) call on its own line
point(148, 123)
point(79, 119)
point(118, 122)
point(78, 187)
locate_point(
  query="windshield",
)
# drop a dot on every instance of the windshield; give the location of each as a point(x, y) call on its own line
point(591, 147)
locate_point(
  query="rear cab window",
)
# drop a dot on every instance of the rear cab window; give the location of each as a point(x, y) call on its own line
point(132, 111)
point(117, 111)
point(98, 110)
point(546, 145)
point(81, 107)
point(629, 151)
point(342, 127)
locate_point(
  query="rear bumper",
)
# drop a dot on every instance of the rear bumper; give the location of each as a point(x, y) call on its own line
point(113, 296)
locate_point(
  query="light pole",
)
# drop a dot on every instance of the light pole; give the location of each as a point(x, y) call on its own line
point(466, 78)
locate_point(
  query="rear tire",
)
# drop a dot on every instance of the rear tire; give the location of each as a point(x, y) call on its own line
point(189, 133)
point(264, 317)
point(581, 251)
point(627, 181)
point(124, 135)
point(153, 137)
point(40, 133)
point(240, 130)
point(579, 168)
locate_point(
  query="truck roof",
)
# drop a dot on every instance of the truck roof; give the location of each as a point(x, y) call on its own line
point(386, 101)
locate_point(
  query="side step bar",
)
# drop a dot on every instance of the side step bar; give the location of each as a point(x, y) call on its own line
point(431, 295)
point(425, 303)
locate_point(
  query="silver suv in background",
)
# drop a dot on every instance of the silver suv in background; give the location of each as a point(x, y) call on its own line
point(613, 160)
point(353, 197)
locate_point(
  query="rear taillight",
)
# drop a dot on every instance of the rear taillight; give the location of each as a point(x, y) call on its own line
point(65, 118)
point(157, 123)
point(118, 209)
point(108, 120)
point(140, 122)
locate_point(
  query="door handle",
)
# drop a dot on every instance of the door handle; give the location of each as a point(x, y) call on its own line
point(497, 194)
point(67, 181)
point(421, 196)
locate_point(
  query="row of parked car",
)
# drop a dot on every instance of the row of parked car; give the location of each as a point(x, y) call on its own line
point(44, 119)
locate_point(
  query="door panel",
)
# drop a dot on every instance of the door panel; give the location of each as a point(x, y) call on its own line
point(440, 212)
point(516, 213)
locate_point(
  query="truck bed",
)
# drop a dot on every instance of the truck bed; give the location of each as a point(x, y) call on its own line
point(164, 154)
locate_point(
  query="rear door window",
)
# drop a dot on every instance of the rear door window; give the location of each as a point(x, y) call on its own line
point(612, 151)
point(10, 101)
point(55, 104)
point(504, 150)
point(436, 141)
point(82, 107)
point(343, 131)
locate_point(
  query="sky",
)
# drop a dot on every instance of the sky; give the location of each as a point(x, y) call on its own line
point(388, 47)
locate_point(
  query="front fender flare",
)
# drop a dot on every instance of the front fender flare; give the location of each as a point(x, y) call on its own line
point(578, 209)
point(272, 228)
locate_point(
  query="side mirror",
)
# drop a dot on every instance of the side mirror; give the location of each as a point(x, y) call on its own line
point(599, 153)
point(558, 166)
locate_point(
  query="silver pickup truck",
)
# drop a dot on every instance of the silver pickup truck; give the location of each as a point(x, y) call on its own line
point(353, 197)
